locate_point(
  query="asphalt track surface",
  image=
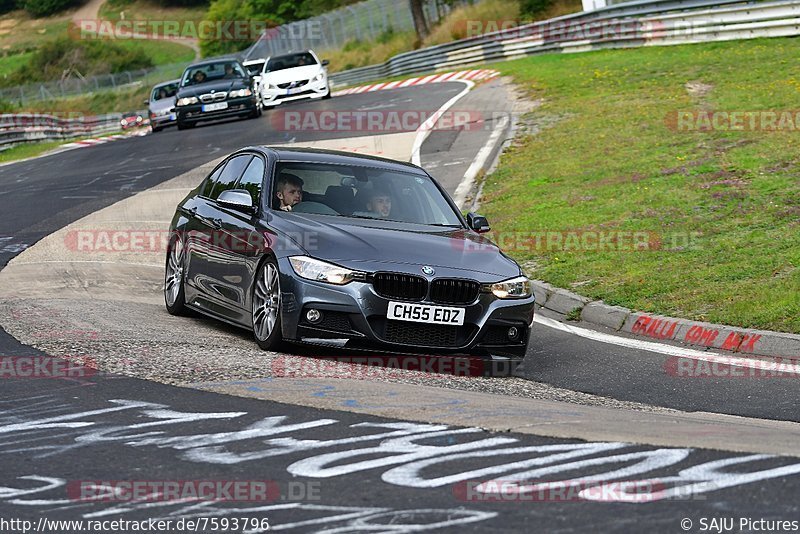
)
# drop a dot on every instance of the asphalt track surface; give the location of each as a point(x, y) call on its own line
point(63, 431)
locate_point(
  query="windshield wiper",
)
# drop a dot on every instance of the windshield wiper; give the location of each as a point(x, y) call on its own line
point(445, 225)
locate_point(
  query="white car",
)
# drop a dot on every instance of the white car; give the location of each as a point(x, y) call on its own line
point(254, 67)
point(293, 77)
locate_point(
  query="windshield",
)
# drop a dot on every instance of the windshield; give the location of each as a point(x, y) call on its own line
point(290, 61)
point(255, 68)
point(168, 90)
point(209, 72)
point(362, 193)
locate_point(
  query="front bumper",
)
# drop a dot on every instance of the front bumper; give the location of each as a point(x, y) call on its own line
point(356, 312)
point(163, 120)
point(236, 107)
point(313, 89)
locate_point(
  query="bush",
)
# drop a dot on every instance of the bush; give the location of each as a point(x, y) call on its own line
point(45, 8)
point(226, 10)
point(8, 5)
point(67, 57)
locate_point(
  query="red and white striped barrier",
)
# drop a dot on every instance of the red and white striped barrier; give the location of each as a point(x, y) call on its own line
point(102, 140)
point(473, 75)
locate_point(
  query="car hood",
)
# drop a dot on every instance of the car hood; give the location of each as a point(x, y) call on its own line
point(215, 86)
point(388, 246)
point(305, 72)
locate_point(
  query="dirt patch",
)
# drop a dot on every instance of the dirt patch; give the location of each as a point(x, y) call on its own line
point(698, 89)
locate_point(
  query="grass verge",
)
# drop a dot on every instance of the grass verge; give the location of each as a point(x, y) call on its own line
point(29, 150)
point(722, 206)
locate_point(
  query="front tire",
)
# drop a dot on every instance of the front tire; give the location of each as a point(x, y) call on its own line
point(327, 95)
point(267, 306)
point(174, 296)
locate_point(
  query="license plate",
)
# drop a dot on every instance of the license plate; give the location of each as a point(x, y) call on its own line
point(215, 106)
point(172, 116)
point(423, 313)
point(294, 90)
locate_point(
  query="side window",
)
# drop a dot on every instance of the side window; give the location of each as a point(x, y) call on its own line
point(208, 185)
point(229, 175)
point(252, 178)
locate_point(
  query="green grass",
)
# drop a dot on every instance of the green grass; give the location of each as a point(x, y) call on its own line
point(161, 52)
point(144, 10)
point(20, 33)
point(606, 160)
point(9, 64)
point(29, 150)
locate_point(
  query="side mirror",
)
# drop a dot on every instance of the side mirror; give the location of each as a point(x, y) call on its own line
point(237, 199)
point(478, 223)
point(325, 62)
point(146, 102)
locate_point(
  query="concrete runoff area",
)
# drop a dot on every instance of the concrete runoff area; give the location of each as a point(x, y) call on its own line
point(87, 298)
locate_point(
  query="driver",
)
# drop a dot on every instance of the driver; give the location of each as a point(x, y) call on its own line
point(289, 191)
point(380, 202)
point(229, 73)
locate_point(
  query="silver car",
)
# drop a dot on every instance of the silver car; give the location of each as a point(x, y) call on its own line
point(161, 105)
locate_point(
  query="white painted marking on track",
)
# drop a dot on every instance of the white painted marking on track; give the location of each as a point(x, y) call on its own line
point(670, 350)
point(426, 127)
point(463, 189)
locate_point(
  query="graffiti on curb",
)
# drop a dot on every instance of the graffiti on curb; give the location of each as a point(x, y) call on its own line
point(696, 334)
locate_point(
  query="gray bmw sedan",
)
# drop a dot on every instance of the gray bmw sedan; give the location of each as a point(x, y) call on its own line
point(304, 244)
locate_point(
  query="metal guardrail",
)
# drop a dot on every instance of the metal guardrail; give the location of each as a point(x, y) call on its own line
point(81, 86)
point(18, 128)
point(362, 21)
point(641, 23)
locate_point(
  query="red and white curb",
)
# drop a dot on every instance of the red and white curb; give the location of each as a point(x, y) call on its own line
point(473, 75)
point(102, 140)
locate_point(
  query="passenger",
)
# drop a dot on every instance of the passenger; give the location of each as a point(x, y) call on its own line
point(380, 202)
point(289, 191)
point(199, 77)
point(162, 94)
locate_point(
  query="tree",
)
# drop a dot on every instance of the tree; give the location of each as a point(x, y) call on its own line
point(418, 14)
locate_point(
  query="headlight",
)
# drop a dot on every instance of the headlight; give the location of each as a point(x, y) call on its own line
point(239, 93)
point(320, 76)
point(321, 271)
point(187, 101)
point(516, 288)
